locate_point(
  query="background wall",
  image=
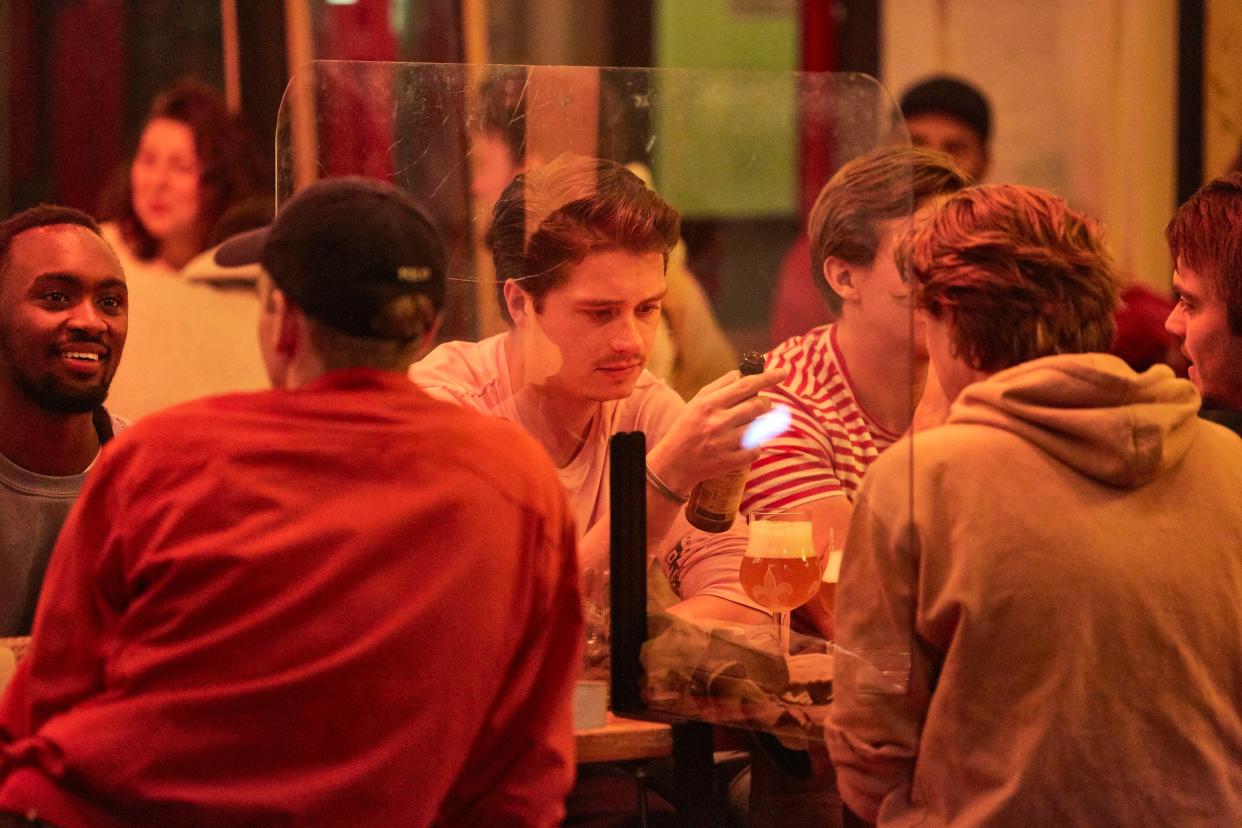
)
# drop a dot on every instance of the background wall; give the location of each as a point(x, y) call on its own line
point(1222, 94)
point(1084, 101)
point(1085, 90)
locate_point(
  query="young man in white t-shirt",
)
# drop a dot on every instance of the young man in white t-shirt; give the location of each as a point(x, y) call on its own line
point(852, 385)
point(580, 246)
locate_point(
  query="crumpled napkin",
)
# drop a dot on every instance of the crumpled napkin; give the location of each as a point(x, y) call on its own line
point(735, 674)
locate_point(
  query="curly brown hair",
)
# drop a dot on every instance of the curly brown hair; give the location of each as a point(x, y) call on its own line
point(230, 162)
point(1017, 274)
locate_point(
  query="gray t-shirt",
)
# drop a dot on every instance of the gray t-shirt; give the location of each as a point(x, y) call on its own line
point(32, 509)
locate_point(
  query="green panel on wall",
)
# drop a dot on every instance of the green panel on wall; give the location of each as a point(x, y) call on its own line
point(710, 135)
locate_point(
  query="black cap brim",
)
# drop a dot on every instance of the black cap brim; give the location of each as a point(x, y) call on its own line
point(243, 249)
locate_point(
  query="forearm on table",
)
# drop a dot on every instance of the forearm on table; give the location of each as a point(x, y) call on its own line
point(715, 608)
point(664, 517)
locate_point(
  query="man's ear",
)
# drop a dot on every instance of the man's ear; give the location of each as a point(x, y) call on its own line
point(429, 338)
point(841, 276)
point(519, 302)
point(291, 323)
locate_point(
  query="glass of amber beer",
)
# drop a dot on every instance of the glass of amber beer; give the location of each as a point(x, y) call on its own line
point(780, 571)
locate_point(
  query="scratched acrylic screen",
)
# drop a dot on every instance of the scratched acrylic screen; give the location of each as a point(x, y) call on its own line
point(449, 134)
point(740, 154)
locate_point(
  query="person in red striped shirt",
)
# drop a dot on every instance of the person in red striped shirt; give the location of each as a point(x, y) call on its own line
point(852, 384)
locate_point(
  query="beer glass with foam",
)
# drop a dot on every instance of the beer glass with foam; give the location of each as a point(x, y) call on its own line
point(780, 571)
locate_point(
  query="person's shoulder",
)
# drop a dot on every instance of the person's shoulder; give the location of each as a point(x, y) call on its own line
point(1231, 420)
point(795, 348)
point(165, 440)
point(119, 424)
point(1218, 442)
point(814, 377)
point(932, 451)
point(501, 455)
point(461, 371)
point(809, 358)
point(185, 419)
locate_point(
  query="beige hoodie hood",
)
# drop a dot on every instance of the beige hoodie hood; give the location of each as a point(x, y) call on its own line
point(1091, 412)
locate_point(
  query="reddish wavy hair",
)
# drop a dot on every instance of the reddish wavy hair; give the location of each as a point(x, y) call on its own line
point(1017, 274)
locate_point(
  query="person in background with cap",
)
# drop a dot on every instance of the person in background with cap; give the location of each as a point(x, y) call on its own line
point(949, 115)
point(279, 607)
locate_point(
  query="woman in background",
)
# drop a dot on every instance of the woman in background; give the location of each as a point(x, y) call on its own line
point(195, 172)
point(194, 160)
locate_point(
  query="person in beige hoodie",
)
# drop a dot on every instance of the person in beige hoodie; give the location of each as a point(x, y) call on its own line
point(1040, 601)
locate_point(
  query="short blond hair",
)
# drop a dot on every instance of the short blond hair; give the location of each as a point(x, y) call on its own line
point(884, 184)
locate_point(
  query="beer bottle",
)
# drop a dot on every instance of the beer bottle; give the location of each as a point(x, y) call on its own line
point(713, 503)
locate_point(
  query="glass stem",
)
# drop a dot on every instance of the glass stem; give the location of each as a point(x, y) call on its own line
point(782, 623)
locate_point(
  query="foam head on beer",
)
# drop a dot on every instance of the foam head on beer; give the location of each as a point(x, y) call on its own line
point(779, 539)
point(780, 570)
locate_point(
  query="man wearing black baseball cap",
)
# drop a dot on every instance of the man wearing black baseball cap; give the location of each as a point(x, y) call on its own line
point(279, 607)
point(949, 115)
point(355, 265)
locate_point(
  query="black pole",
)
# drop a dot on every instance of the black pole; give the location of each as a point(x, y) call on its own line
point(627, 589)
point(1190, 28)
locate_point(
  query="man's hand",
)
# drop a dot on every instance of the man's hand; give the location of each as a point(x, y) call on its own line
point(706, 439)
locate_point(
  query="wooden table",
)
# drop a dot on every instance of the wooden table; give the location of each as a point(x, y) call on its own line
point(623, 740)
point(11, 651)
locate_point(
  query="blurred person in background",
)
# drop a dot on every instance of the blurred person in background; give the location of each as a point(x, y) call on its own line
point(195, 175)
point(949, 115)
point(1205, 239)
point(1040, 600)
point(334, 602)
point(64, 314)
point(194, 160)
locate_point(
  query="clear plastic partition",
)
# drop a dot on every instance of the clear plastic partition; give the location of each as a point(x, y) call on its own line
point(735, 152)
point(739, 156)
